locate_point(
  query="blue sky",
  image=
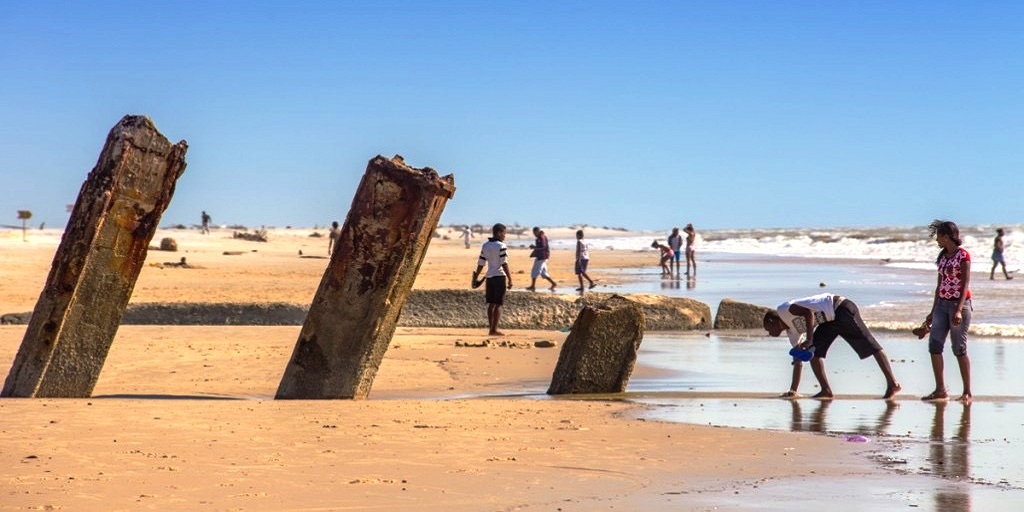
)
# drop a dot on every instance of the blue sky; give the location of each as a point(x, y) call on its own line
point(643, 115)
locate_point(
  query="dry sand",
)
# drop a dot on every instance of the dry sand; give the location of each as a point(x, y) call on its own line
point(183, 417)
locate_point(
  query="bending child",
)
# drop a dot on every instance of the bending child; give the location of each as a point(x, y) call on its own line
point(821, 318)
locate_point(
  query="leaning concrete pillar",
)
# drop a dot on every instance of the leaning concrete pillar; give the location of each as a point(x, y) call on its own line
point(600, 351)
point(355, 311)
point(99, 258)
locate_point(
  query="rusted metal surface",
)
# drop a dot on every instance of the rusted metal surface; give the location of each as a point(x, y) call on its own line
point(355, 311)
point(97, 263)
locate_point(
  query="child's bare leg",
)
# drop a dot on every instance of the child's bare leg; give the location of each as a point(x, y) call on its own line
point(965, 373)
point(818, 366)
point(891, 386)
point(940, 392)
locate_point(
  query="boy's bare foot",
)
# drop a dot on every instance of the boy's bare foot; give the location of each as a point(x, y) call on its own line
point(495, 333)
point(936, 395)
point(823, 395)
point(531, 289)
point(790, 394)
point(891, 392)
point(965, 398)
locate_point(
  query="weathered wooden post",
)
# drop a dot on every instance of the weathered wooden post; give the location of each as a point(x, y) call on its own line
point(355, 311)
point(599, 354)
point(24, 215)
point(99, 258)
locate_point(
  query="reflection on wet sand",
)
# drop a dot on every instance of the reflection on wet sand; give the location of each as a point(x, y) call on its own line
point(815, 421)
point(950, 459)
point(674, 282)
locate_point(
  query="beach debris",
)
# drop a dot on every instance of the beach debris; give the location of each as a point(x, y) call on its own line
point(857, 439)
point(259, 235)
point(544, 344)
point(599, 354)
point(168, 244)
point(173, 264)
point(355, 311)
point(100, 256)
point(470, 344)
point(15, 318)
point(733, 314)
point(822, 284)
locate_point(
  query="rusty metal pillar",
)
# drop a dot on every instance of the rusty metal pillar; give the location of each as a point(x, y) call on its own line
point(99, 258)
point(355, 311)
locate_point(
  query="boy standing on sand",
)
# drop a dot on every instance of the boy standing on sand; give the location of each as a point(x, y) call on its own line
point(541, 253)
point(494, 254)
point(822, 318)
point(691, 249)
point(332, 237)
point(675, 242)
point(582, 260)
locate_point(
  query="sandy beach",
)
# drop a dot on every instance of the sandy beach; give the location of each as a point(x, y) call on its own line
point(183, 417)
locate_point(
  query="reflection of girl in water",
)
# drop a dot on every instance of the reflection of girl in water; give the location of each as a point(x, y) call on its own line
point(951, 459)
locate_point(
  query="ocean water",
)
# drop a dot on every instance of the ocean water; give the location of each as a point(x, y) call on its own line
point(889, 272)
point(973, 452)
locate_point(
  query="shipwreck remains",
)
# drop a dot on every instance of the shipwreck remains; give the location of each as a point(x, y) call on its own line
point(355, 311)
point(97, 263)
point(599, 354)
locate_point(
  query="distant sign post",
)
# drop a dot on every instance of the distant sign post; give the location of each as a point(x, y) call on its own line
point(24, 215)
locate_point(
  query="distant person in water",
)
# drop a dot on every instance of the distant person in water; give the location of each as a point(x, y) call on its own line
point(332, 237)
point(665, 254)
point(541, 253)
point(820, 319)
point(997, 256)
point(951, 308)
point(582, 261)
point(675, 242)
point(494, 255)
point(691, 249)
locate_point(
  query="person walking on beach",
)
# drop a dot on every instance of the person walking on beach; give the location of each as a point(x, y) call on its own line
point(466, 235)
point(691, 249)
point(582, 261)
point(541, 253)
point(951, 308)
point(205, 219)
point(821, 318)
point(494, 254)
point(332, 237)
point(675, 242)
point(997, 256)
point(665, 253)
